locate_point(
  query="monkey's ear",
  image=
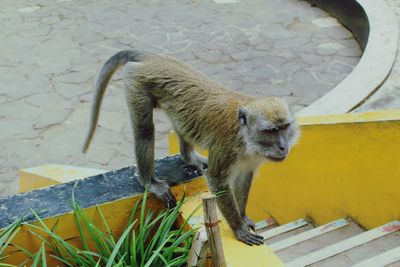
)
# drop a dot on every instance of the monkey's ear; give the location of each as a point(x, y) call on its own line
point(243, 116)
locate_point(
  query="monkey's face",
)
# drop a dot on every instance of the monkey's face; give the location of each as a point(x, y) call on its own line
point(268, 136)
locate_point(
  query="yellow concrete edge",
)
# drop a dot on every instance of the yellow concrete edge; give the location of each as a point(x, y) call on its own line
point(373, 116)
point(51, 174)
point(115, 212)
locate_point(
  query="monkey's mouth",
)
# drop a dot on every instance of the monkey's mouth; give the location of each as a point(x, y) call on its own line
point(276, 159)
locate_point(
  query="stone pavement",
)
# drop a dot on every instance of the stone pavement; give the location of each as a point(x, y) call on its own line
point(50, 52)
point(388, 95)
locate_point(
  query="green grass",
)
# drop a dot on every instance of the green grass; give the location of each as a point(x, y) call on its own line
point(153, 239)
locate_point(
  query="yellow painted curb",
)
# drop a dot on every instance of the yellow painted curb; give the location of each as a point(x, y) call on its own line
point(51, 174)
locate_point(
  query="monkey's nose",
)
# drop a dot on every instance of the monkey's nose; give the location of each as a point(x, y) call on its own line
point(282, 147)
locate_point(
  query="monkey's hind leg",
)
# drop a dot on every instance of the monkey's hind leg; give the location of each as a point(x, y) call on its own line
point(141, 110)
point(190, 156)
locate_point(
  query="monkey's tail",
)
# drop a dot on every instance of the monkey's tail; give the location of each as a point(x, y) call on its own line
point(115, 62)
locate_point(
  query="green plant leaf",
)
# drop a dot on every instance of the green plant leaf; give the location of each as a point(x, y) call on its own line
point(38, 256)
point(111, 260)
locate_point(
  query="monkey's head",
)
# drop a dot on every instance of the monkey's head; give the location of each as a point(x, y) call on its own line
point(268, 128)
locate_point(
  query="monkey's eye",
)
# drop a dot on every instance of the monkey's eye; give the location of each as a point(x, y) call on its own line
point(284, 127)
point(273, 130)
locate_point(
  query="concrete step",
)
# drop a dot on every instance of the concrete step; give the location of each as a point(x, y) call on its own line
point(339, 243)
point(352, 250)
point(327, 235)
point(285, 231)
point(388, 258)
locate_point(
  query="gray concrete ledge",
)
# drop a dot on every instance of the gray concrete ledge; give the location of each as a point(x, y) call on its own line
point(375, 27)
point(95, 190)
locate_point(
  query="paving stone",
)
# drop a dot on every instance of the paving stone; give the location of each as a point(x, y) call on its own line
point(44, 100)
point(176, 47)
point(326, 51)
point(163, 128)
point(349, 52)
point(342, 68)
point(311, 59)
point(291, 42)
point(339, 33)
point(29, 9)
point(332, 46)
point(49, 117)
point(291, 67)
point(19, 110)
point(16, 129)
point(3, 99)
point(263, 46)
point(209, 56)
point(113, 120)
point(326, 22)
point(69, 90)
point(101, 154)
point(73, 77)
point(303, 80)
point(50, 20)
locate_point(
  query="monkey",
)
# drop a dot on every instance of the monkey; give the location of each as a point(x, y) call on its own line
point(239, 131)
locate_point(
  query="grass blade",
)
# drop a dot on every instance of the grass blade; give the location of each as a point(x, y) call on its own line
point(44, 261)
point(103, 219)
point(155, 254)
point(111, 260)
point(61, 260)
point(76, 211)
point(37, 257)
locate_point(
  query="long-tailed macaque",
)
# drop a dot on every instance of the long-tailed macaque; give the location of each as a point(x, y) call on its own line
point(239, 131)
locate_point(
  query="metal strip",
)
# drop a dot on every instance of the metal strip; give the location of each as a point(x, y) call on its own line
point(344, 245)
point(291, 241)
point(388, 257)
point(283, 229)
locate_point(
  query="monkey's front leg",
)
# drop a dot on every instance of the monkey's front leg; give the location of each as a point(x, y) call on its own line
point(241, 188)
point(227, 205)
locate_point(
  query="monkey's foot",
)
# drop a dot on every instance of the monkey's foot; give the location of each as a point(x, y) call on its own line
point(198, 161)
point(163, 193)
point(248, 237)
point(249, 222)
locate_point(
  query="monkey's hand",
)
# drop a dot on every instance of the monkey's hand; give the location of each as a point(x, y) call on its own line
point(163, 193)
point(249, 222)
point(248, 237)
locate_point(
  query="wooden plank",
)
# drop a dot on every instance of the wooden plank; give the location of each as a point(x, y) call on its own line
point(344, 245)
point(283, 228)
point(198, 243)
point(268, 222)
point(291, 241)
point(213, 234)
point(388, 257)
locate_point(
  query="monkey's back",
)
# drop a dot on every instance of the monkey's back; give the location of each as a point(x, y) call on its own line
point(201, 110)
